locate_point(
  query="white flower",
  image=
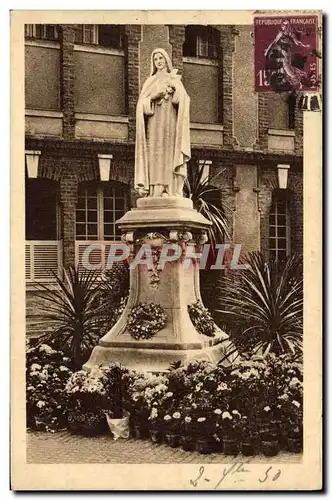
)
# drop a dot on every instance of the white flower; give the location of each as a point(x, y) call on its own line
point(177, 415)
point(153, 414)
point(294, 382)
point(201, 419)
point(267, 408)
point(40, 404)
point(235, 412)
point(168, 394)
point(222, 387)
point(284, 397)
point(167, 417)
point(226, 414)
point(63, 369)
point(47, 349)
point(217, 411)
point(187, 420)
point(296, 403)
point(35, 367)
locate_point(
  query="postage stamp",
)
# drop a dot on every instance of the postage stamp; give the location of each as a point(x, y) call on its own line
point(286, 56)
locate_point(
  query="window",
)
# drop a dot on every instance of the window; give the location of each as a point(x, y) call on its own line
point(41, 210)
point(201, 41)
point(106, 35)
point(41, 31)
point(279, 228)
point(202, 74)
point(98, 208)
point(281, 110)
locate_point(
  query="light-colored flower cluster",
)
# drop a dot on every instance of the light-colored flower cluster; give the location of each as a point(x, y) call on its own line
point(93, 382)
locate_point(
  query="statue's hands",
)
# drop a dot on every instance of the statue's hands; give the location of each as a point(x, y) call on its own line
point(159, 94)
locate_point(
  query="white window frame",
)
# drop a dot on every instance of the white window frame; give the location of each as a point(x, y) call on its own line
point(32, 29)
point(100, 217)
point(275, 252)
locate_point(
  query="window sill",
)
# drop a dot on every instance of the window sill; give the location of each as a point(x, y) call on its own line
point(200, 60)
point(47, 44)
point(282, 132)
point(101, 118)
point(99, 49)
point(207, 126)
point(44, 113)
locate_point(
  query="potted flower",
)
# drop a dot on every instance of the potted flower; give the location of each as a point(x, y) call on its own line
point(116, 401)
point(293, 428)
point(86, 396)
point(249, 442)
point(203, 440)
point(231, 432)
point(216, 428)
point(268, 433)
point(156, 428)
point(172, 422)
point(188, 432)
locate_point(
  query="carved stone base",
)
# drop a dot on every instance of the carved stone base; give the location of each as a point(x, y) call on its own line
point(158, 221)
point(154, 360)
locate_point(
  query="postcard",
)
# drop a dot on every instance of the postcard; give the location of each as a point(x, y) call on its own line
point(166, 214)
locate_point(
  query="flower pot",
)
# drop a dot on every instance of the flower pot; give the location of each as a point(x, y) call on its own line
point(187, 443)
point(172, 439)
point(248, 448)
point(270, 448)
point(231, 446)
point(294, 444)
point(217, 444)
point(119, 427)
point(203, 446)
point(39, 424)
point(141, 431)
point(155, 435)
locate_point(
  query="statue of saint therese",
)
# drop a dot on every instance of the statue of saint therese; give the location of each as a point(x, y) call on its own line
point(162, 131)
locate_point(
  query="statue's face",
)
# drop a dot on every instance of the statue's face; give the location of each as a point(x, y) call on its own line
point(159, 61)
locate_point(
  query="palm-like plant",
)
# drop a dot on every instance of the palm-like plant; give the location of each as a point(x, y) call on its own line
point(73, 312)
point(264, 304)
point(206, 199)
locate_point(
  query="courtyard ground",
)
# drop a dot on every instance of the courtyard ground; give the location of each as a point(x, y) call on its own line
point(63, 447)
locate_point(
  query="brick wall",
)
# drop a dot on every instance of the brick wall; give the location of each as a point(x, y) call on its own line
point(176, 39)
point(227, 43)
point(67, 80)
point(133, 37)
point(263, 121)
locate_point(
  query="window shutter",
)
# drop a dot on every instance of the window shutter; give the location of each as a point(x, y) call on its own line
point(27, 262)
point(46, 260)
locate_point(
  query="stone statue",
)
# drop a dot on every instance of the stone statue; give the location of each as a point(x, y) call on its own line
point(162, 131)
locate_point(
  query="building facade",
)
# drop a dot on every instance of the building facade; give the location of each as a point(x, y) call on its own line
point(82, 84)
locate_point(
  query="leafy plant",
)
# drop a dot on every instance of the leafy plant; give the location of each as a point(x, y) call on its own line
point(264, 304)
point(74, 312)
point(206, 199)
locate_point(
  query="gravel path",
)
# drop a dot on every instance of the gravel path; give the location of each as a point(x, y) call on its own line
point(63, 447)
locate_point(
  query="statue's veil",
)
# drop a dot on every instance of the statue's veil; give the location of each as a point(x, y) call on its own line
point(166, 56)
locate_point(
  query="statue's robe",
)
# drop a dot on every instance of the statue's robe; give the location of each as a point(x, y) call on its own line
point(162, 133)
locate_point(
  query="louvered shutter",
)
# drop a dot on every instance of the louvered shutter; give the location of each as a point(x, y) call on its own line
point(45, 260)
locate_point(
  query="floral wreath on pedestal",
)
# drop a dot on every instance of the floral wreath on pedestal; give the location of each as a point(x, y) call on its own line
point(146, 320)
point(202, 319)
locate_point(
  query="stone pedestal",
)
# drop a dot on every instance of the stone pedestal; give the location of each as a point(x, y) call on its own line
point(155, 222)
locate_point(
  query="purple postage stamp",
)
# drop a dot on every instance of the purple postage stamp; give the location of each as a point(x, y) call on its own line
point(286, 55)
